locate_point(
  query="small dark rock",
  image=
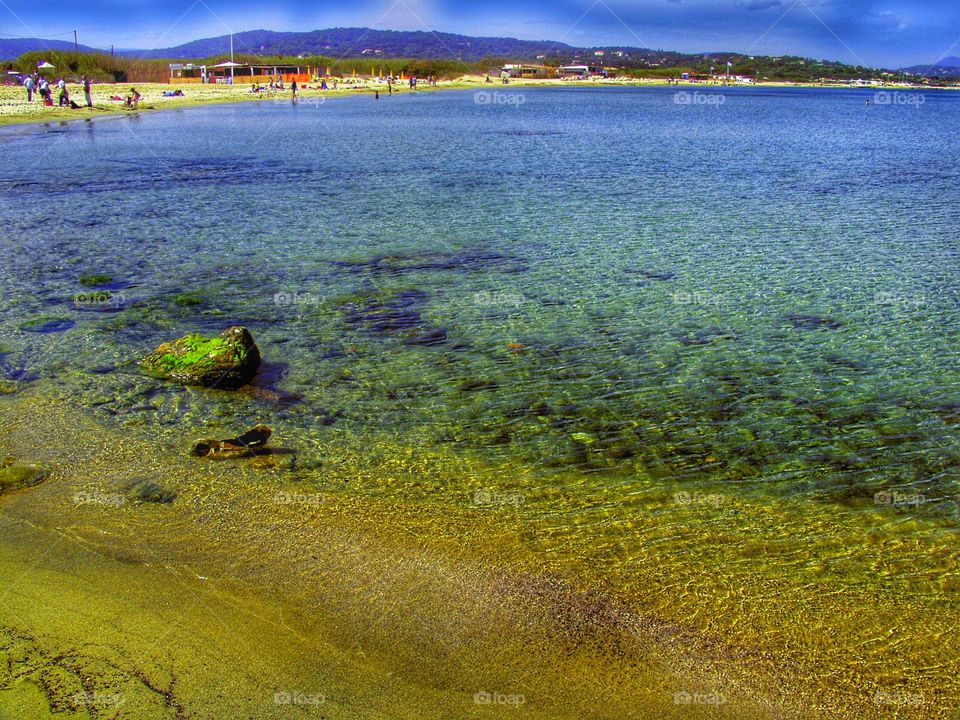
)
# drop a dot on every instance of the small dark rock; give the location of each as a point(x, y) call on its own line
point(429, 338)
point(148, 491)
point(245, 445)
point(476, 385)
point(813, 322)
point(47, 324)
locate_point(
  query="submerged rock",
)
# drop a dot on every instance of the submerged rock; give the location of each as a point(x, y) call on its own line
point(95, 280)
point(813, 322)
point(20, 476)
point(47, 324)
point(659, 276)
point(149, 491)
point(703, 336)
point(228, 361)
point(249, 444)
point(428, 338)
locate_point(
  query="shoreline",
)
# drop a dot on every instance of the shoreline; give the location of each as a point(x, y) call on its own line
point(333, 597)
point(153, 100)
point(415, 581)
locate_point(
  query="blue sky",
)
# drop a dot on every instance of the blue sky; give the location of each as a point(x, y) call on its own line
point(889, 33)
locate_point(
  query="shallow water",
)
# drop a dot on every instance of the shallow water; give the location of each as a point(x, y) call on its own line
point(698, 355)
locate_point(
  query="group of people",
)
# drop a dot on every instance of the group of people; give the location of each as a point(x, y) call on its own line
point(37, 84)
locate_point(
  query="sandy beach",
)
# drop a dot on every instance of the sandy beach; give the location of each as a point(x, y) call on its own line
point(14, 108)
point(332, 596)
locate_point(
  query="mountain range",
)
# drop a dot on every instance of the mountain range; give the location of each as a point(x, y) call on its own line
point(363, 42)
point(948, 67)
point(11, 49)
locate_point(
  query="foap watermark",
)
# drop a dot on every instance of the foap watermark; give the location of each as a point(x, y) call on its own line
point(495, 97)
point(503, 298)
point(313, 101)
point(898, 499)
point(496, 698)
point(289, 697)
point(899, 98)
point(686, 498)
point(494, 497)
point(287, 498)
point(699, 98)
point(95, 497)
point(886, 298)
point(696, 698)
point(896, 697)
point(295, 298)
point(99, 299)
point(97, 700)
point(695, 298)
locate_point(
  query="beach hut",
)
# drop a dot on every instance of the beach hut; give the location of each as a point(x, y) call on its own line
point(231, 65)
point(45, 66)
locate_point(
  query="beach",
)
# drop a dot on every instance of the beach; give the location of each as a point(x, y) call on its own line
point(596, 405)
point(14, 109)
point(327, 595)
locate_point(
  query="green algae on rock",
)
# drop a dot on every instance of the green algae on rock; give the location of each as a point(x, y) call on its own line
point(20, 476)
point(226, 361)
point(95, 279)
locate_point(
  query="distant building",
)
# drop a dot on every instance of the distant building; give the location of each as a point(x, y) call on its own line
point(527, 71)
point(582, 71)
point(226, 73)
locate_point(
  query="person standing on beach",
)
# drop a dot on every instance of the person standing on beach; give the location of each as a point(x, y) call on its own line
point(64, 97)
point(86, 91)
point(29, 84)
point(293, 87)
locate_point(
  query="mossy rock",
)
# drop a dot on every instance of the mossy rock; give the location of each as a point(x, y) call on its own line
point(226, 361)
point(20, 476)
point(188, 299)
point(95, 279)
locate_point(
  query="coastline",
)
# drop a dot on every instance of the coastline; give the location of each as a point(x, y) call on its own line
point(441, 602)
point(15, 111)
point(708, 533)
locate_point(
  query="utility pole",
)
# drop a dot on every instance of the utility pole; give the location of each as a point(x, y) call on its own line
point(76, 46)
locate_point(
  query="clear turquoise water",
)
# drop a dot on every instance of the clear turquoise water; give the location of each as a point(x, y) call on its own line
point(601, 281)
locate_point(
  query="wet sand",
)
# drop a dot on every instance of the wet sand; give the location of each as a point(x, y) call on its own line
point(209, 606)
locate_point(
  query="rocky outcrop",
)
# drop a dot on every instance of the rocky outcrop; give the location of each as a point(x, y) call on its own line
point(226, 361)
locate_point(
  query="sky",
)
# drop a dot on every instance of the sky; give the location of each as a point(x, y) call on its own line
point(878, 33)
